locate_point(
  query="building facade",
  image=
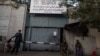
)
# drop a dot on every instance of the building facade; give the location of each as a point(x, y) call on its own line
point(42, 27)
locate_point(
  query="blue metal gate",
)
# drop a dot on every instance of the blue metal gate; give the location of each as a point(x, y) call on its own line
point(40, 28)
point(44, 35)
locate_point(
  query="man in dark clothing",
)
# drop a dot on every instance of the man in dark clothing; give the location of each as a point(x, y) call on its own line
point(18, 40)
point(79, 49)
point(64, 48)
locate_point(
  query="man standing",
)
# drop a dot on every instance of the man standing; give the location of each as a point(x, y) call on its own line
point(79, 49)
point(18, 40)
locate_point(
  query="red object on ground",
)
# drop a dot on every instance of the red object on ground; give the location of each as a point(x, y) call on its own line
point(94, 53)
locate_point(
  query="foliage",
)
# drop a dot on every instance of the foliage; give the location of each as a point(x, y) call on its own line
point(87, 10)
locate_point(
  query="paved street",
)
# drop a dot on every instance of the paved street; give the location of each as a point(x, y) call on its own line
point(33, 53)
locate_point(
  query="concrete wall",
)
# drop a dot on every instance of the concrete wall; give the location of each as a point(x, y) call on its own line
point(5, 12)
point(11, 20)
point(96, 34)
point(73, 20)
point(89, 43)
point(6, 2)
point(17, 20)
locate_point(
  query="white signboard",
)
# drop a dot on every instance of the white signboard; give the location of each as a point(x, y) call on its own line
point(47, 6)
point(54, 33)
